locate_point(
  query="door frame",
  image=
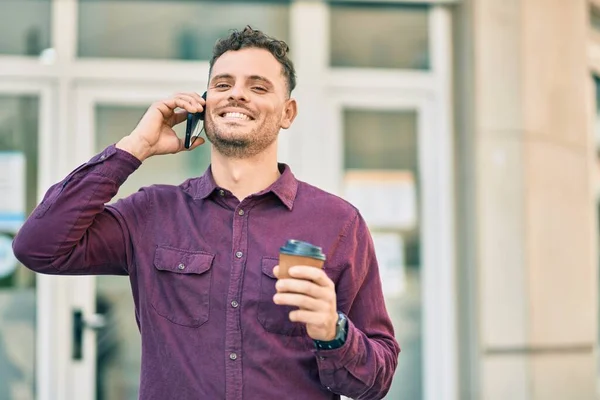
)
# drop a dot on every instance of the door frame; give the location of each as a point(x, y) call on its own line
point(50, 366)
point(430, 93)
point(436, 216)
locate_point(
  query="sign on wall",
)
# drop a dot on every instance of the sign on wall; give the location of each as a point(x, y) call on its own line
point(12, 191)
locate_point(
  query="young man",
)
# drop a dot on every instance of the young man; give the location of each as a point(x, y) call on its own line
point(215, 320)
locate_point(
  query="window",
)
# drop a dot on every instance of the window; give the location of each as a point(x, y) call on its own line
point(25, 26)
point(380, 36)
point(178, 30)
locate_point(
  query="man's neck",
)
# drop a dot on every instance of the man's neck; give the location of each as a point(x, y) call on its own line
point(244, 177)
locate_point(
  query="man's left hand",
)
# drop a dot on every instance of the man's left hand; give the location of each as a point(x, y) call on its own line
point(311, 290)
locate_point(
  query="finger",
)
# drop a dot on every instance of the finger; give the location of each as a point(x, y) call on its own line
point(192, 99)
point(166, 107)
point(187, 97)
point(172, 141)
point(276, 271)
point(198, 142)
point(302, 286)
point(186, 104)
point(198, 98)
point(308, 317)
point(181, 146)
point(179, 117)
point(317, 275)
point(300, 301)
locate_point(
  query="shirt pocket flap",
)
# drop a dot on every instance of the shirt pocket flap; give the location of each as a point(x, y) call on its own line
point(268, 263)
point(182, 261)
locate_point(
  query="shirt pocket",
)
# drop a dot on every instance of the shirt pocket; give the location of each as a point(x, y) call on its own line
point(181, 287)
point(273, 317)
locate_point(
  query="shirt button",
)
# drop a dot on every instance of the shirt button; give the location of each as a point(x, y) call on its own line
point(103, 156)
point(321, 358)
point(221, 192)
point(241, 212)
point(239, 254)
point(234, 304)
point(233, 356)
point(181, 266)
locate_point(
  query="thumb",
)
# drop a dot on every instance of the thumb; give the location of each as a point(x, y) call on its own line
point(197, 143)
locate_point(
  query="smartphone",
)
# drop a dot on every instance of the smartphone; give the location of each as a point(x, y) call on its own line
point(193, 126)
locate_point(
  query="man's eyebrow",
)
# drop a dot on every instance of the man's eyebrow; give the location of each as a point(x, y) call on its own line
point(261, 79)
point(221, 76)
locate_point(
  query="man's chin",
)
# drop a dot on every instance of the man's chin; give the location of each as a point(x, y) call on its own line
point(235, 139)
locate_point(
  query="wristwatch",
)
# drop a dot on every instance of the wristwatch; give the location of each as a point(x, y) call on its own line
point(341, 331)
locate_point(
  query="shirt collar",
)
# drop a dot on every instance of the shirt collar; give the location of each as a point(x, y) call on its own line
point(285, 187)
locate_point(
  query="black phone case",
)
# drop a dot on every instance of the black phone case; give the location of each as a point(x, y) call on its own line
point(192, 120)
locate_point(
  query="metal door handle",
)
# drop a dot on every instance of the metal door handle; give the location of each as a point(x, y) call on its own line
point(80, 323)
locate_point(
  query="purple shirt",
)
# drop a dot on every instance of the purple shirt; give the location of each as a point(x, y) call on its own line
point(200, 263)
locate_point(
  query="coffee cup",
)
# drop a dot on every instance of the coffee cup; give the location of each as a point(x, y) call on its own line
point(297, 252)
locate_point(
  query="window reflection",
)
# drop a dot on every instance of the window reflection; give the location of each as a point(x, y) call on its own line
point(182, 30)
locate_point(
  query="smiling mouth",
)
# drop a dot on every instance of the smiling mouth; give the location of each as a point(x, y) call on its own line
point(236, 116)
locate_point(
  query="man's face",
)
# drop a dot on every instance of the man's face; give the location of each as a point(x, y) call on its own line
point(247, 103)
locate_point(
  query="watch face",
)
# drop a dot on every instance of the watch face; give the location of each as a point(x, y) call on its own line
point(341, 324)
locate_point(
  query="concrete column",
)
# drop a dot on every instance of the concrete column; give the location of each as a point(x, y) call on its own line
point(535, 222)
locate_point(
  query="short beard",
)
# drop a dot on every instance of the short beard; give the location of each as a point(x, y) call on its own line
point(239, 148)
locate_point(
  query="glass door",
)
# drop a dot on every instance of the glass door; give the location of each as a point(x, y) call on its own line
point(382, 177)
point(388, 149)
point(393, 165)
point(25, 121)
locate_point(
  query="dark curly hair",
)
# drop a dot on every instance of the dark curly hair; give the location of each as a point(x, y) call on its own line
point(252, 38)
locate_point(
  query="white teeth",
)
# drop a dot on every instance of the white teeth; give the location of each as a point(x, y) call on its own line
point(236, 115)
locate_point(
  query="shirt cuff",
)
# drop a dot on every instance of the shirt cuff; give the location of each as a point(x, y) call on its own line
point(115, 163)
point(338, 358)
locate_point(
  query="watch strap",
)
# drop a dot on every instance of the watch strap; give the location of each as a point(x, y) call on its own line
point(341, 333)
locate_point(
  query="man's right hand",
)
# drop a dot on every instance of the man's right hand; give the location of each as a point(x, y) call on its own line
point(154, 133)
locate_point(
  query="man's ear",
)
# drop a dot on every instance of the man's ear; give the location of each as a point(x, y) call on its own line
point(289, 113)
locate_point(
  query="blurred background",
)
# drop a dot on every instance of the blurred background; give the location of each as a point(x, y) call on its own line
point(466, 131)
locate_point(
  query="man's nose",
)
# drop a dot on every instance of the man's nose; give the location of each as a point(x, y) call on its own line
point(238, 92)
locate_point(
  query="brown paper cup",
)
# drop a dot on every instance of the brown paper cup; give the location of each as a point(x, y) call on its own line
point(286, 261)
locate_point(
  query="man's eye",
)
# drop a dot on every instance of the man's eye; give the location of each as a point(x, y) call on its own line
point(221, 86)
point(259, 88)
